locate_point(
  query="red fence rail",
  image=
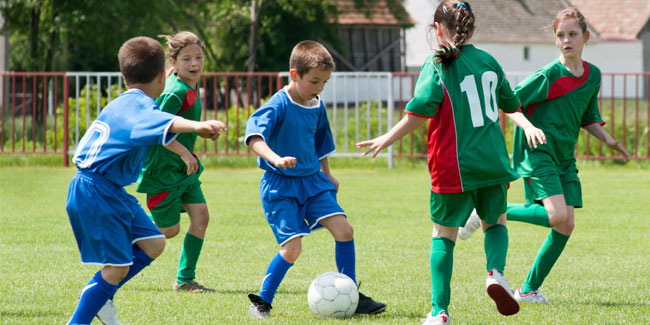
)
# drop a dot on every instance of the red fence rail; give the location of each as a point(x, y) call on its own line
point(35, 115)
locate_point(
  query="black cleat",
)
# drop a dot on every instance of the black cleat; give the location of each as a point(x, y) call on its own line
point(369, 306)
point(259, 308)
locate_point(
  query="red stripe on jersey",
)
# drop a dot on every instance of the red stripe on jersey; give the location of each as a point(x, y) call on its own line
point(531, 108)
point(418, 115)
point(153, 201)
point(190, 99)
point(566, 84)
point(594, 122)
point(443, 150)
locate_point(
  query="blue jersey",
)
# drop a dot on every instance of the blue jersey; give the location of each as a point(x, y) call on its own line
point(116, 143)
point(294, 130)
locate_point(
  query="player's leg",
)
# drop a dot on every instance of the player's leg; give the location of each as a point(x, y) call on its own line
point(97, 292)
point(275, 272)
point(491, 206)
point(197, 210)
point(449, 211)
point(556, 241)
point(286, 218)
point(165, 208)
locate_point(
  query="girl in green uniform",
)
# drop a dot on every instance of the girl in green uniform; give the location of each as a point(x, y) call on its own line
point(460, 89)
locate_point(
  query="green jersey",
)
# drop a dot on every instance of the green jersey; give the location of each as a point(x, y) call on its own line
point(466, 148)
point(559, 103)
point(163, 168)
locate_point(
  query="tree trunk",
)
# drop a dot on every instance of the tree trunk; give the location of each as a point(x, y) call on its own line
point(252, 44)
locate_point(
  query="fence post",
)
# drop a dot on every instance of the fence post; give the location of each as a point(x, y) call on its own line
point(390, 105)
point(66, 94)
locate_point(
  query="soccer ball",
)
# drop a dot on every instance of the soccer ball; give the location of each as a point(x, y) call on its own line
point(333, 294)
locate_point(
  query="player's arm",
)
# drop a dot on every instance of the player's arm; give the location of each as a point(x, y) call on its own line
point(187, 157)
point(206, 129)
point(405, 126)
point(534, 136)
point(259, 146)
point(597, 130)
point(325, 167)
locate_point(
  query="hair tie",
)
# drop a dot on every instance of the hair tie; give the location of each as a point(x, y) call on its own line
point(453, 47)
point(444, 9)
point(461, 4)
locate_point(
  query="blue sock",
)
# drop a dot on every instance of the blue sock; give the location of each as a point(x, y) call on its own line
point(274, 275)
point(345, 258)
point(93, 297)
point(140, 261)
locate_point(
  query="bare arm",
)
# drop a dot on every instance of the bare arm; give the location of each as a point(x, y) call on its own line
point(186, 155)
point(534, 135)
point(405, 126)
point(257, 144)
point(597, 130)
point(206, 129)
point(325, 167)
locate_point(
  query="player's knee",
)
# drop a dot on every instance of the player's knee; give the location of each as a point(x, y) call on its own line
point(171, 232)
point(291, 251)
point(156, 248)
point(557, 217)
point(346, 233)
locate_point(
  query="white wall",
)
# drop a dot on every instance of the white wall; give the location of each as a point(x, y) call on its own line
point(417, 47)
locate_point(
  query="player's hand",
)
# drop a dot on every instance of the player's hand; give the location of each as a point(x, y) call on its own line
point(191, 163)
point(285, 162)
point(334, 181)
point(534, 136)
point(210, 129)
point(375, 145)
point(619, 147)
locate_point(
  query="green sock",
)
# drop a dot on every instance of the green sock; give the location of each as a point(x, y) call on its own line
point(495, 244)
point(442, 264)
point(528, 213)
point(546, 258)
point(189, 257)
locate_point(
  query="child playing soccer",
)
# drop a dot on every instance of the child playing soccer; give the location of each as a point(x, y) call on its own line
point(560, 98)
point(109, 225)
point(170, 187)
point(291, 135)
point(460, 89)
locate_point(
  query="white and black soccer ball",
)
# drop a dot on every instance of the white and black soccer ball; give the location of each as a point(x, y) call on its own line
point(333, 294)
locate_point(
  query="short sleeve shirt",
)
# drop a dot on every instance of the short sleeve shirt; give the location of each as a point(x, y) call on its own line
point(559, 103)
point(294, 130)
point(116, 143)
point(466, 147)
point(163, 168)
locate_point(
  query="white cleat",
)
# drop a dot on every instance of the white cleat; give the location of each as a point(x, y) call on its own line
point(108, 314)
point(441, 319)
point(499, 290)
point(473, 223)
point(535, 297)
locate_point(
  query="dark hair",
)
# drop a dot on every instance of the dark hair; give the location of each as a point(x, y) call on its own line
point(457, 17)
point(570, 13)
point(309, 54)
point(141, 59)
point(179, 41)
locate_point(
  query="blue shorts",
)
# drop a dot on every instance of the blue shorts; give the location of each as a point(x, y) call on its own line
point(294, 205)
point(106, 220)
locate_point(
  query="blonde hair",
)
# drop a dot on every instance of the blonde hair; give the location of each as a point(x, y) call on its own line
point(570, 13)
point(179, 41)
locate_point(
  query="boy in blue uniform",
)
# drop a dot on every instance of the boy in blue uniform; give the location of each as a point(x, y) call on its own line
point(291, 135)
point(110, 227)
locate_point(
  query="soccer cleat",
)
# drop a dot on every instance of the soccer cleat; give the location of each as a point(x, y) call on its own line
point(191, 286)
point(368, 306)
point(473, 223)
point(259, 308)
point(441, 319)
point(499, 290)
point(534, 296)
point(108, 314)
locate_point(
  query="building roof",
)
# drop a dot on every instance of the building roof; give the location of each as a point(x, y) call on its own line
point(615, 20)
point(381, 12)
point(515, 20)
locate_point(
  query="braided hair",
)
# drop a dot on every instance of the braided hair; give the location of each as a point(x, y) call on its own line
point(458, 18)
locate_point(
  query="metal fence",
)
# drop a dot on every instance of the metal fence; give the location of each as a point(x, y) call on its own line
point(47, 113)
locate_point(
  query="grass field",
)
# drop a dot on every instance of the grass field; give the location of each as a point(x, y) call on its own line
point(603, 276)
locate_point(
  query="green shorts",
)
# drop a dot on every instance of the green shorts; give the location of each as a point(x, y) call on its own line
point(166, 207)
point(550, 179)
point(453, 209)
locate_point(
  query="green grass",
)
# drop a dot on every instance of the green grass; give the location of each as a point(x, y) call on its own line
point(603, 277)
